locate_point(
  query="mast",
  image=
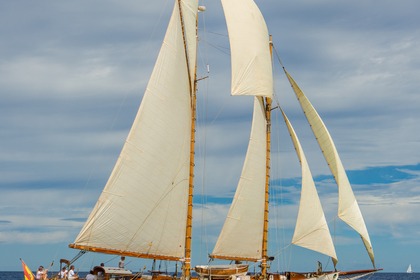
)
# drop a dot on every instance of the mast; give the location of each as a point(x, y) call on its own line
point(188, 235)
point(193, 90)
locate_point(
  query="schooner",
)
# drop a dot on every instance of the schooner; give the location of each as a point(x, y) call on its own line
point(145, 208)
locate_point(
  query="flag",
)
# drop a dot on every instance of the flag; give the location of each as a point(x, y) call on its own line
point(27, 273)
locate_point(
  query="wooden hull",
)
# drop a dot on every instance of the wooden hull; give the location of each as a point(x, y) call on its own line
point(159, 277)
point(221, 271)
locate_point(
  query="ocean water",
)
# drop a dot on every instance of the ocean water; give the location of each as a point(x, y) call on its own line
point(18, 275)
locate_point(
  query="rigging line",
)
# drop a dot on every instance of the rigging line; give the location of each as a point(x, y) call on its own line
point(281, 262)
point(277, 108)
point(280, 231)
point(219, 34)
point(222, 49)
point(205, 61)
point(277, 192)
point(279, 251)
point(278, 57)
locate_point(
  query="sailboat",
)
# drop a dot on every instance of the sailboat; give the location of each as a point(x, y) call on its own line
point(409, 269)
point(145, 208)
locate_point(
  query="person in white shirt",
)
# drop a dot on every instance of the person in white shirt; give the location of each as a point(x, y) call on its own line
point(72, 275)
point(41, 274)
point(63, 273)
point(90, 276)
point(121, 263)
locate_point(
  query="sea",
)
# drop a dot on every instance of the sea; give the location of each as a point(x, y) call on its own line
point(18, 275)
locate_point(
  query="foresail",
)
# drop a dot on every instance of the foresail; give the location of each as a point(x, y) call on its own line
point(311, 229)
point(143, 207)
point(250, 51)
point(241, 236)
point(348, 208)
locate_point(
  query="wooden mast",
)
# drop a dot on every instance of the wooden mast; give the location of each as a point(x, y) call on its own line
point(267, 180)
point(186, 269)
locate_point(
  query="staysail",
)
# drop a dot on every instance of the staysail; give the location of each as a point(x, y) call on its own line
point(241, 236)
point(142, 210)
point(311, 229)
point(348, 208)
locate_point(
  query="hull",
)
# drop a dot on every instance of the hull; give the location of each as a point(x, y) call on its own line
point(159, 277)
point(328, 275)
point(356, 274)
point(221, 271)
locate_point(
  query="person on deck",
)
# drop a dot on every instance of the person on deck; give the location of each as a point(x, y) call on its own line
point(100, 273)
point(63, 273)
point(41, 274)
point(121, 263)
point(72, 275)
point(90, 276)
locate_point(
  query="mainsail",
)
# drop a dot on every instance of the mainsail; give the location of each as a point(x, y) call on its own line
point(311, 229)
point(348, 208)
point(142, 211)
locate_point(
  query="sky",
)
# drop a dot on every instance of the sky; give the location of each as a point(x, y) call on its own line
point(72, 75)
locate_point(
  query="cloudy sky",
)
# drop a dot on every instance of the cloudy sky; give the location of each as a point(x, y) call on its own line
point(72, 75)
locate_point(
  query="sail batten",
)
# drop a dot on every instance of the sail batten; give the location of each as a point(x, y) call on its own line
point(348, 208)
point(142, 210)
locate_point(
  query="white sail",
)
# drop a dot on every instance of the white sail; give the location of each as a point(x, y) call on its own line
point(311, 229)
point(241, 236)
point(143, 207)
point(409, 269)
point(250, 50)
point(348, 208)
